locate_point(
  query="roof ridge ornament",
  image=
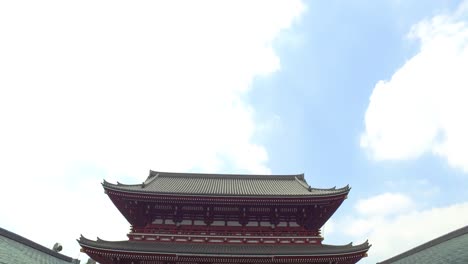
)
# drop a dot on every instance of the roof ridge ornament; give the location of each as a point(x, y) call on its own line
point(151, 177)
point(301, 177)
point(303, 183)
point(153, 173)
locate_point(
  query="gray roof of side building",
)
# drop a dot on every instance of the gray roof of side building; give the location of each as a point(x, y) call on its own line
point(231, 250)
point(15, 249)
point(226, 185)
point(450, 248)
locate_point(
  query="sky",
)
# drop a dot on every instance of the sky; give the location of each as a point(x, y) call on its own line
point(366, 93)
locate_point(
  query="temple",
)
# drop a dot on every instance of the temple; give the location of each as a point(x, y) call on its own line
point(187, 218)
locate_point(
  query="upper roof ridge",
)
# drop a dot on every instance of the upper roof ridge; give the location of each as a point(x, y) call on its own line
point(227, 175)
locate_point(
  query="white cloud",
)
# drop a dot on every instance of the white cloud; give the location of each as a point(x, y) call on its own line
point(384, 204)
point(422, 108)
point(118, 88)
point(392, 234)
point(328, 228)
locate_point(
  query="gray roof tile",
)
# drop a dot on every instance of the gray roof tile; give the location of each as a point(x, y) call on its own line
point(224, 249)
point(449, 248)
point(16, 249)
point(226, 185)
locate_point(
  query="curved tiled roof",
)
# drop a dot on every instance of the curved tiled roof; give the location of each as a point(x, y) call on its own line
point(16, 249)
point(226, 185)
point(223, 249)
point(449, 248)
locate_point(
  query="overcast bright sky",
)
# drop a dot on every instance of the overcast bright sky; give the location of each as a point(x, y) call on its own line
point(368, 93)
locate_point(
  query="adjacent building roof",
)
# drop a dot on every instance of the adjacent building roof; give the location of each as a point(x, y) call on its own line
point(449, 248)
point(231, 250)
point(226, 185)
point(16, 249)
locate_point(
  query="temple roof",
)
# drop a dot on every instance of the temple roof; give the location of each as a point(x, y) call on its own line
point(17, 249)
point(221, 249)
point(449, 248)
point(226, 185)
